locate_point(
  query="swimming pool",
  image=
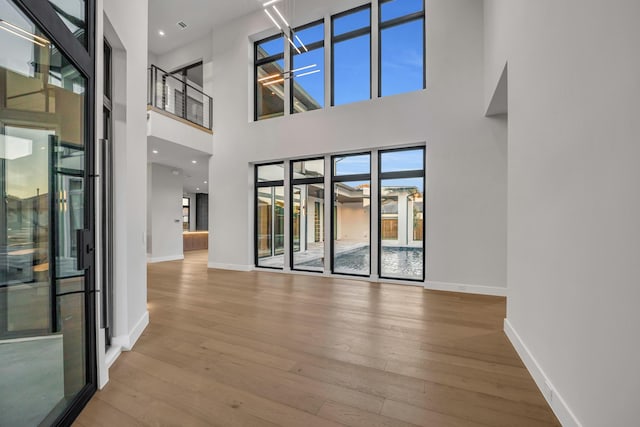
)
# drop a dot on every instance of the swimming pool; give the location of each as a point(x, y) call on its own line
point(397, 262)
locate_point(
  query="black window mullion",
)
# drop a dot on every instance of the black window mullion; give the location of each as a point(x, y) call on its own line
point(401, 20)
point(43, 14)
point(351, 35)
point(402, 174)
point(348, 178)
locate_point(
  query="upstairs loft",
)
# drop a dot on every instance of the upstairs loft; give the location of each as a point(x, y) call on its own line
point(175, 96)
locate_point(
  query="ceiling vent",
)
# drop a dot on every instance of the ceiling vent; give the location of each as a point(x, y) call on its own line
point(181, 25)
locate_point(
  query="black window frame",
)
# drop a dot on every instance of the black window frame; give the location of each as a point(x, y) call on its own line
point(312, 46)
point(262, 61)
point(182, 73)
point(347, 178)
point(302, 181)
point(348, 36)
point(403, 175)
point(415, 16)
point(83, 58)
point(258, 185)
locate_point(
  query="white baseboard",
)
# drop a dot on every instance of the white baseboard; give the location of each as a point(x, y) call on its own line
point(555, 400)
point(112, 354)
point(468, 289)
point(126, 342)
point(153, 260)
point(232, 267)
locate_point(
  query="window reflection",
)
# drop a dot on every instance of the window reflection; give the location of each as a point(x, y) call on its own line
point(42, 194)
point(74, 15)
point(401, 214)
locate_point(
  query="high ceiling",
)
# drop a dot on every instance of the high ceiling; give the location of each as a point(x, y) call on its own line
point(199, 15)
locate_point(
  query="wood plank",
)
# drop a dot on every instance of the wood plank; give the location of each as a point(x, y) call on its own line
point(264, 349)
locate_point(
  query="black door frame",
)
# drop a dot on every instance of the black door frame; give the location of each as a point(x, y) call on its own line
point(82, 57)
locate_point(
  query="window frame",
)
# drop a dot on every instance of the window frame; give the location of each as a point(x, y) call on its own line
point(403, 175)
point(258, 185)
point(292, 53)
point(415, 16)
point(347, 178)
point(302, 181)
point(262, 61)
point(348, 36)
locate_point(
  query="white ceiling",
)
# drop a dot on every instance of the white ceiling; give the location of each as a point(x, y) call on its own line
point(181, 158)
point(200, 16)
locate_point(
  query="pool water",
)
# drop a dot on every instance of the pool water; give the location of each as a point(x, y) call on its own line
point(397, 262)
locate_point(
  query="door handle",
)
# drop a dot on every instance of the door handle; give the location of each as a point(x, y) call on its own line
point(86, 249)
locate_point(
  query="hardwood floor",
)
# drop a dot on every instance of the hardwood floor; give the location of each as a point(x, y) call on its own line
point(265, 349)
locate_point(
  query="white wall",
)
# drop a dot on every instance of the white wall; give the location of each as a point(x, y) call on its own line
point(198, 50)
point(574, 203)
point(129, 22)
point(165, 206)
point(466, 153)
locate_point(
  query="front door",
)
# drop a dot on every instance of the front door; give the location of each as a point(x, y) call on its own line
point(47, 299)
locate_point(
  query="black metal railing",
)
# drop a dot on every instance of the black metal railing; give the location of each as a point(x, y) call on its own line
point(176, 96)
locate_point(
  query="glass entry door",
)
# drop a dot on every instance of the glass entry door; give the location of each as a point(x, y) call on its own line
point(47, 326)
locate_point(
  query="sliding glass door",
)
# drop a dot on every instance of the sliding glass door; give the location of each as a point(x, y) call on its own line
point(47, 335)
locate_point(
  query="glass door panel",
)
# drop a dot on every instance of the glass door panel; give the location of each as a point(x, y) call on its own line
point(44, 329)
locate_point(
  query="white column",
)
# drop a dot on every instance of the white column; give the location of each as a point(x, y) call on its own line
point(328, 208)
point(374, 208)
point(287, 216)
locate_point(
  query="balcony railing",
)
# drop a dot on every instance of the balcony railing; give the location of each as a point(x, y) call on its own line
point(180, 98)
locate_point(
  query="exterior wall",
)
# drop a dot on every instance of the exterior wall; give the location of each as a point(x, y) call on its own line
point(466, 153)
point(574, 202)
point(353, 220)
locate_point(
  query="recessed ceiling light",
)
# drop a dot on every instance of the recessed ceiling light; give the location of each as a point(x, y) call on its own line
point(197, 189)
point(194, 161)
point(205, 182)
point(161, 33)
point(155, 151)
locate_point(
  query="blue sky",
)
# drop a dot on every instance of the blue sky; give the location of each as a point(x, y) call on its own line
point(402, 47)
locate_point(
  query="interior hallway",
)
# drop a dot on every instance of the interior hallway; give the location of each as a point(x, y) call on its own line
point(252, 349)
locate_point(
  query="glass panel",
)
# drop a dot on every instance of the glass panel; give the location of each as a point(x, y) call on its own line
point(71, 323)
point(270, 90)
point(396, 8)
point(41, 168)
point(172, 95)
point(308, 169)
point(402, 58)
point(107, 70)
point(308, 227)
point(271, 172)
point(308, 83)
point(197, 106)
point(352, 204)
point(351, 165)
point(351, 22)
point(402, 160)
point(270, 227)
point(195, 76)
point(401, 228)
point(74, 15)
point(311, 34)
point(270, 48)
point(352, 70)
